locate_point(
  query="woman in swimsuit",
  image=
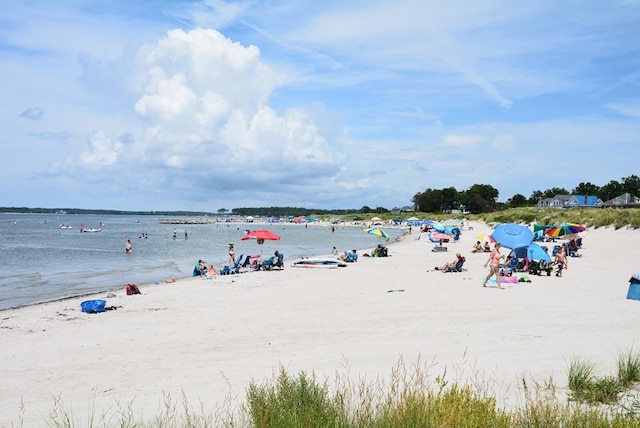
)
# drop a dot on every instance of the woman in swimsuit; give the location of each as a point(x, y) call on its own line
point(494, 269)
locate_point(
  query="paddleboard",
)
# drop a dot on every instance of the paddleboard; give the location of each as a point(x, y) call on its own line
point(319, 263)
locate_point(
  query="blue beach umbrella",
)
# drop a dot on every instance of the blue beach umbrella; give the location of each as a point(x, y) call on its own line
point(534, 251)
point(512, 235)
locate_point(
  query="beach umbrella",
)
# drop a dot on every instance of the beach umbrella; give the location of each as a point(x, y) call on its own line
point(261, 235)
point(437, 236)
point(484, 237)
point(534, 251)
point(538, 226)
point(376, 231)
point(564, 229)
point(437, 226)
point(512, 235)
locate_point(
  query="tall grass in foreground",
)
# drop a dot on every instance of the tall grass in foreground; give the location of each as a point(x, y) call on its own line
point(410, 398)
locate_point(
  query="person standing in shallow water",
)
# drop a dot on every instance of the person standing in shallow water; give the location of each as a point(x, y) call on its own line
point(494, 268)
point(128, 248)
point(232, 254)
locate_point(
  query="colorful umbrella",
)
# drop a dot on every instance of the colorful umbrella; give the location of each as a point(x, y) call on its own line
point(564, 229)
point(376, 231)
point(512, 235)
point(484, 237)
point(261, 235)
point(437, 236)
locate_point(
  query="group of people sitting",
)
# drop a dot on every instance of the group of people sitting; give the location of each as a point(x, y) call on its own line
point(380, 251)
point(208, 271)
point(349, 257)
point(201, 269)
point(479, 248)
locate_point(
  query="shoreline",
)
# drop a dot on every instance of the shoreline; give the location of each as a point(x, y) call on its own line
point(209, 338)
point(154, 260)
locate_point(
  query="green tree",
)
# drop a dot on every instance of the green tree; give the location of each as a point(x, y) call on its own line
point(381, 210)
point(449, 199)
point(611, 190)
point(586, 189)
point(365, 210)
point(517, 200)
point(429, 201)
point(631, 185)
point(554, 191)
point(480, 198)
point(222, 210)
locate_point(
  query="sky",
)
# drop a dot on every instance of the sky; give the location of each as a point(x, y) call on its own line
point(205, 105)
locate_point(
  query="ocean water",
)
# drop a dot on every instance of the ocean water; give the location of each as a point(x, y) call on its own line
point(40, 262)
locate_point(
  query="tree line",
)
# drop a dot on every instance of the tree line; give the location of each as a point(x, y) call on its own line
point(482, 198)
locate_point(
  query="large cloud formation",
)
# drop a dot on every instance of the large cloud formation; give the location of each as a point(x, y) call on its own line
point(204, 99)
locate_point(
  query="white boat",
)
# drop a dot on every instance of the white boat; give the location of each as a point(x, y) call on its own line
point(92, 230)
point(64, 226)
point(319, 263)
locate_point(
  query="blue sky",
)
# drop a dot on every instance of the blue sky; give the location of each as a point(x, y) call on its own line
point(202, 105)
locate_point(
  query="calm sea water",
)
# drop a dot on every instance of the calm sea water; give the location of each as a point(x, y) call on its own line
point(40, 262)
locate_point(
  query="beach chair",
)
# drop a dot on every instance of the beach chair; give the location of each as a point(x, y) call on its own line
point(231, 270)
point(246, 265)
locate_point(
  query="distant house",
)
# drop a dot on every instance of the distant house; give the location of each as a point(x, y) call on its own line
point(584, 201)
point(571, 201)
point(622, 201)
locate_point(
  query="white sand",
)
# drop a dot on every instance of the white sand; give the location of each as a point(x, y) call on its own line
point(209, 339)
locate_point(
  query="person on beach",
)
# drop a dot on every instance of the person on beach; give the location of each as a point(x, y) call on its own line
point(458, 261)
point(334, 251)
point(494, 269)
point(200, 269)
point(487, 248)
point(560, 261)
point(211, 272)
point(127, 248)
point(232, 254)
point(477, 248)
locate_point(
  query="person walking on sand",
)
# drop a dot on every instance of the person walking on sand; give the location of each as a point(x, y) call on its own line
point(560, 261)
point(494, 268)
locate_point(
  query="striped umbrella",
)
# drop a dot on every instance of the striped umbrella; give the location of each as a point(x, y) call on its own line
point(563, 229)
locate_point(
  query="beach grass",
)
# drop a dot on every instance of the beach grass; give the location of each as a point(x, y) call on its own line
point(410, 398)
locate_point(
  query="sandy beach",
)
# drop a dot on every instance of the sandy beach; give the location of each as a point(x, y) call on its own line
point(208, 339)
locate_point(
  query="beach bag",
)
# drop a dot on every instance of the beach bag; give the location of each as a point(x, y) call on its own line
point(132, 289)
point(93, 306)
